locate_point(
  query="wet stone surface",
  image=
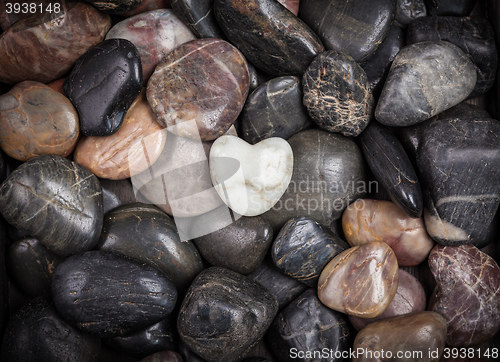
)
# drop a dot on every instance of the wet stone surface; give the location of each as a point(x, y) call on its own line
point(337, 94)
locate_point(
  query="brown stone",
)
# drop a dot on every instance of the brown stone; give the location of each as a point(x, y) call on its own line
point(369, 220)
point(45, 48)
point(37, 120)
point(412, 337)
point(200, 88)
point(122, 154)
point(467, 293)
point(360, 281)
point(409, 298)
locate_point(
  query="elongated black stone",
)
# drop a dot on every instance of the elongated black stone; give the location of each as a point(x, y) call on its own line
point(37, 333)
point(103, 84)
point(145, 233)
point(303, 248)
point(450, 7)
point(109, 295)
point(199, 16)
point(474, 35)
point(354, 27)
point(274, 109)
point(56, 201)
point(269, 35)
point(224, 314)
point(306, 325)
point(392, 167)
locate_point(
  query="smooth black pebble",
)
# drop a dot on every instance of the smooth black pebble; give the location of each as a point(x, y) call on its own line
point(450, 7)
point(199, 16)
point(103, 84)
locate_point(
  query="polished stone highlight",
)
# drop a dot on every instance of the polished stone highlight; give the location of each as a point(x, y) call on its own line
point(199, 16)
point(361, 281)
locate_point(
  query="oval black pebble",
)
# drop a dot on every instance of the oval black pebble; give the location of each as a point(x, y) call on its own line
point(337, 94)
point(303, 248)
point(30, 265)
point(145, 233)
point(108, 295)
point(199, 16)
point(270, 36)
point(224, 314)
point(56, 201)
point(392, 167)
point(307, 325)
point(103, 84)
point(37, 333)
point(354, 27)
point(274, 109)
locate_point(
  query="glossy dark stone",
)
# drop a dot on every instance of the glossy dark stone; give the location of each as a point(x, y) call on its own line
point(474, 35)
point(240, 246)
point(110, 200)
point(30, 265)
point(103, 84)
point(56, 201)
point(269, 35)
point(284, 288)
point(354, 27)
point(157, 337)
point(377, 67)
point(109, 295)
point(328, 174)
point(450, 7)
point(43, 48)
point(115, 6)
point(392, 167)
point(457, 161)
point(424, 80)
point(37, 333)
point(274, 109)
point(303, 248)
point(199, 16)
point(145, 233)
point(307, 325)
point(422, 334)
point(3, 167)
point(164, 356)
point(337, 94)
point(467, 293)
point(224, 314)
point(409, 10)
point(188, 354)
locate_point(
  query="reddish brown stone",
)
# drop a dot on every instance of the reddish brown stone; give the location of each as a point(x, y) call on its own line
point(369, 220)
point(467, 293)
point(200, 87)
point(45, 48)
point(37, 120)
point(360, 281)
point(57, 85)
point(122, 154)
point(292, 5)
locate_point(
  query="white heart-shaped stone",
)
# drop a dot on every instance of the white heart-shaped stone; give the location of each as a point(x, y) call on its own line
point(250, 179)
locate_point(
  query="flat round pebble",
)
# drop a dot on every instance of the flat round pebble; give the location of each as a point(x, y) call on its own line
point(199, 89)
point(56, 201)
point(361, 281)
point(145, 233)
point(274, 109)
point(303, 248)
point(108, 295)
point(154, 33)
point(270, 36)
point(103, 84)
point(424, 80)
point(354, 27)
point(367, 220)
point(467, 293)
point(199, 16)
point(224, 314)
point(337, 94)
point(136, 145)
point(37, 120)
point(37, 333)
point(418, 336)
point(44, 49)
